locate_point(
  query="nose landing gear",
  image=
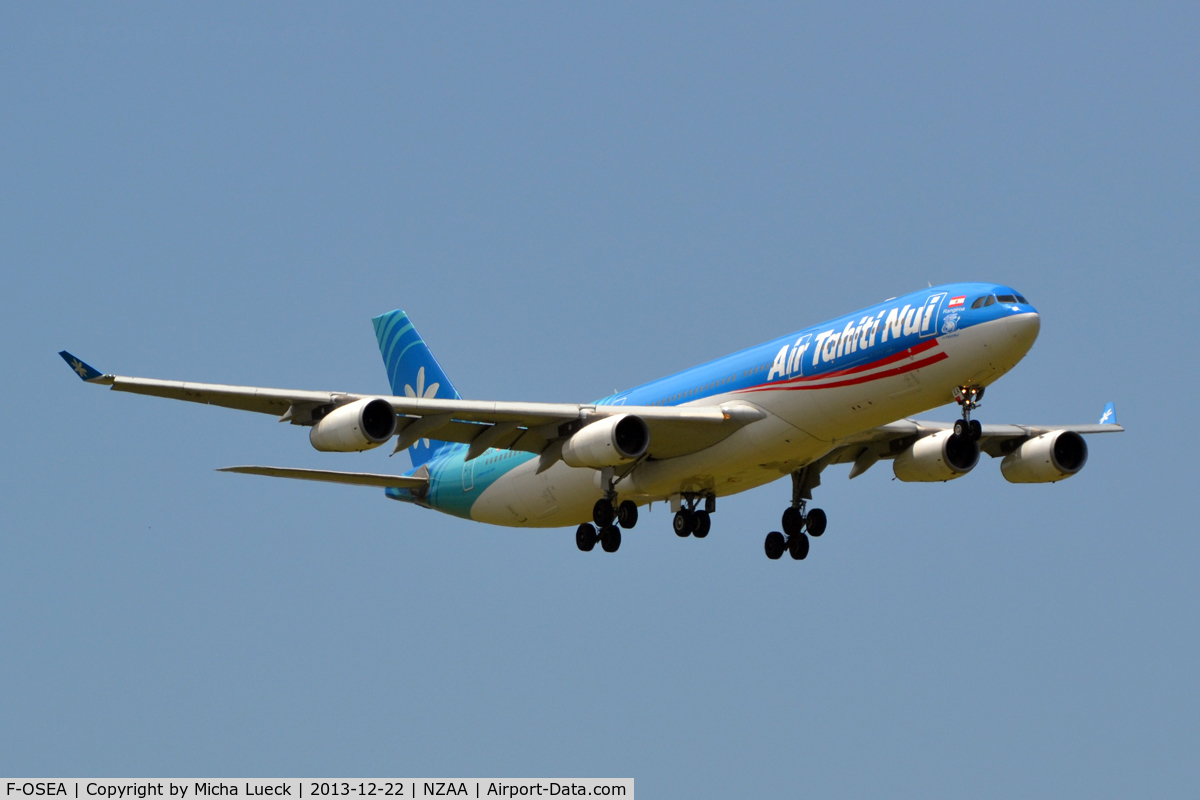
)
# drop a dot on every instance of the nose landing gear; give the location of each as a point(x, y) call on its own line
point(968, 397)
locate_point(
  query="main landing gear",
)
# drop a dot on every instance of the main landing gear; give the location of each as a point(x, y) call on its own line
point(609, 537)
point(604, 514)
point(691, 520)
point(968, 397)
point(797, 524)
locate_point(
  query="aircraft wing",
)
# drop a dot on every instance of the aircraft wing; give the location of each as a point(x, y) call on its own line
point(888, 441)
point(867, 448)
point(529, 427)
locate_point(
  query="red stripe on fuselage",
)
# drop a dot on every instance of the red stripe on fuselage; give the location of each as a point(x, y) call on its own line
point(792, 386)
point(906, 353)
point(933, 359)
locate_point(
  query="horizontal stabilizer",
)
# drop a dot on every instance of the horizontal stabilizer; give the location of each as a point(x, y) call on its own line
point(329, 476)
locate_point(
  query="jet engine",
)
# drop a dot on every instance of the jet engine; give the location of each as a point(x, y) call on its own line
point(607, 443)
point(1045, 459)
point(355, 426)
point(940, 457)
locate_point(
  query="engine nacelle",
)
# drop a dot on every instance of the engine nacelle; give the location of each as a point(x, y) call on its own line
point(355, 426)
point(940, 457)
point(1045, 459)
point(607, 443)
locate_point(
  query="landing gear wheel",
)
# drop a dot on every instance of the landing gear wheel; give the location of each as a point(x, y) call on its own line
point(703, 523)
point(603, 513)
point(610, 538)
point(976, 430)
point(798, 547)
point(774, 545)
point(815, 522)
point(792, 521)
point(627, 514)
point(585, 537)
point(962, 428)
point(684, 523)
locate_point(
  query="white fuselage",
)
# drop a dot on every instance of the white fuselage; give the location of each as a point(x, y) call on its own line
point(800, 426)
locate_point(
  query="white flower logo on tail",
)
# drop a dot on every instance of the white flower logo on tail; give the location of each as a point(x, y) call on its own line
point(421, 392)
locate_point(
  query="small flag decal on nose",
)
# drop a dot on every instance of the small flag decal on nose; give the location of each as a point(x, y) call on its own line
point(957, 301)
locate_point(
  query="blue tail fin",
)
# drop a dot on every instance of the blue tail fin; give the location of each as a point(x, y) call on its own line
point(412, 371)
point(1109, 417)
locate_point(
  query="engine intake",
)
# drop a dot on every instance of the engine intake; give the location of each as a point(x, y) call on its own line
point(354, 427)
point(607, 443)
point(940, 457)
point(1047, 458)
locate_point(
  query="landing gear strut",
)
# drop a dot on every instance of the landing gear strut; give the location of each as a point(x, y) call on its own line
point(796, 521)
point(968, 397)
point(691, 520)
point(607, 511)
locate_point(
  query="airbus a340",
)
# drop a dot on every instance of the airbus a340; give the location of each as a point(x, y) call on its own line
point(839, 392)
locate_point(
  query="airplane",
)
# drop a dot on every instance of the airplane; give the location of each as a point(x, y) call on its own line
point(840, 392)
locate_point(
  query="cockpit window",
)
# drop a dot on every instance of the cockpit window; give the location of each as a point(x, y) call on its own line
point(978, 302)
point(991, 300)
point(1022, 300)
point(1006, 298)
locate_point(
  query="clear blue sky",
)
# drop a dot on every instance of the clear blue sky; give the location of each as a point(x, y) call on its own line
point(571, 199)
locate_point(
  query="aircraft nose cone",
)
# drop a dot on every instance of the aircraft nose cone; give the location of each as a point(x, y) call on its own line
point(1024, 329)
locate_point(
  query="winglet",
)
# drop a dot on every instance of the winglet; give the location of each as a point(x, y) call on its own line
point(1109, 417)
point(84, 370)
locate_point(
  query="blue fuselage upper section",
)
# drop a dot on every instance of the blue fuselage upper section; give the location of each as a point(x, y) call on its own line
point(870, 335)
point(903, 329)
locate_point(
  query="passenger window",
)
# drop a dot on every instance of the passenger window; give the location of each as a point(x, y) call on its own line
point(978, 302)
point(1006, 298)
point(991, 300)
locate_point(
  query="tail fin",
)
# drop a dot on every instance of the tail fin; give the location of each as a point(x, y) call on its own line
point(412, 371)
point(1109, 417)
